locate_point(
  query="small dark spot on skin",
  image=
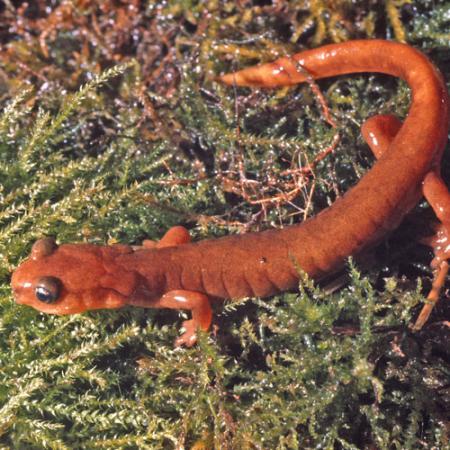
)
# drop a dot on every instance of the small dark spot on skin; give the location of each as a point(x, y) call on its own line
point(263, 260)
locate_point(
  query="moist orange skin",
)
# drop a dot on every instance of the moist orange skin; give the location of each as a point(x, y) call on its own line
point(180, 274)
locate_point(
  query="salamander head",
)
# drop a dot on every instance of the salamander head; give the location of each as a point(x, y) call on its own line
point(71, 278)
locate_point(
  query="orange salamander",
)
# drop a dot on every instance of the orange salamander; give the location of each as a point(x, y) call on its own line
point(176, 273)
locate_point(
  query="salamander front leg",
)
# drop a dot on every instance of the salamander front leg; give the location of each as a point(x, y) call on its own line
point(177, 235)
point(200, 308)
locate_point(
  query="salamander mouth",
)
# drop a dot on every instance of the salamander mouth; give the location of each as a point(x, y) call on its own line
point(17, 295)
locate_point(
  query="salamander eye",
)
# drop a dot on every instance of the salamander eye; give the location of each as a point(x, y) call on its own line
point(47, 289)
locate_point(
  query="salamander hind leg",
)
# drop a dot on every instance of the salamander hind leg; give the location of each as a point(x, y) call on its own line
point(438, 196)
point(200, 308)
point(378, 132)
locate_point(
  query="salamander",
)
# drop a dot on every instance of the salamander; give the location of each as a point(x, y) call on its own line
point(179, 274)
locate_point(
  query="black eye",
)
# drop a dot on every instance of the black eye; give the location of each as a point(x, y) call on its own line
point(47, 289)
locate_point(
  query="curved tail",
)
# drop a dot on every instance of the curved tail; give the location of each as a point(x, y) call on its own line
point(380, 199)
